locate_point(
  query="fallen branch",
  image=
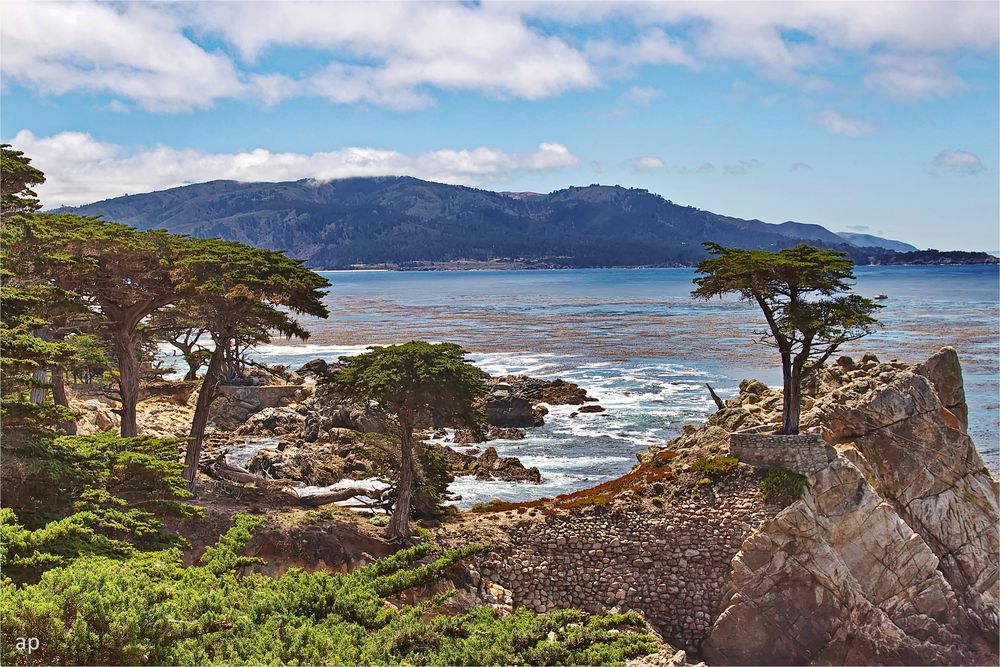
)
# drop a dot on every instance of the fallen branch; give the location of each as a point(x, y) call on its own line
point(317, 498)
point(220, 468)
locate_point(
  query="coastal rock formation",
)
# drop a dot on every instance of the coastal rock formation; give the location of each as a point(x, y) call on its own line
point(553, 392)
point(901, 529)
point(890, 555)
point(488, 465)
point(838, 577)
point(505, 408)
point(670, 560)
point(467, 437)
point(519, 401)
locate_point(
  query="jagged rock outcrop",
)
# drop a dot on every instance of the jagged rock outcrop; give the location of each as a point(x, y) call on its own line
point(915, 452)
point(891, 555)
point(488, 465)
point(466, 436)
point(553, 392)
point(839, 578)
point(272, 422)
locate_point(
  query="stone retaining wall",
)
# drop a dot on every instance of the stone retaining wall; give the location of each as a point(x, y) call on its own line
point(670, 563)
point(804, 453)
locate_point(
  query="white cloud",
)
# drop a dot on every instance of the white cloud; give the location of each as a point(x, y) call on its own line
point(646, 163)
point(912, 78)
point(797, 43)
point(802, 166)
point(143, 52)
point(961, 161)
point(838, 123)
point(654, 46)
point(163, 56)
point(405, 46)
point(636, 97)
point(132, 50)
point(80, 169)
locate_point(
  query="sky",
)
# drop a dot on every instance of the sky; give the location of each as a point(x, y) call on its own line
point(872, 117)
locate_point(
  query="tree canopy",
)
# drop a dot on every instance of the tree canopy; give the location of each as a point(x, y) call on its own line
point(240, 295)
point(404, 382)
point(803, 293)
point(17, 177)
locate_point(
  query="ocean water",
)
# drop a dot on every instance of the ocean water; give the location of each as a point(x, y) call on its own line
point(637, 341)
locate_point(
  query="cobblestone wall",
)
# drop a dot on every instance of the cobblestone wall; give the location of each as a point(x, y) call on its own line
point(672, 563)
point(805, 453)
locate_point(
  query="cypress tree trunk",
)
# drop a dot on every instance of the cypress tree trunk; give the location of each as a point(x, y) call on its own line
point(128, 378)
point(793, 402)
point(206, 394)
point(40, 378)
point(399, 524)
point(59, 397)
point(789, 421)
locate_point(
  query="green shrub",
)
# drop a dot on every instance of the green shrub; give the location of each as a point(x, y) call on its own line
point(716, 466)
point(100, 494)
point(780, 485)
point(149, 608)
point(423, 533)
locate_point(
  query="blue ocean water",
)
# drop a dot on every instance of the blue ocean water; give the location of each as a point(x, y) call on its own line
point(640, 344)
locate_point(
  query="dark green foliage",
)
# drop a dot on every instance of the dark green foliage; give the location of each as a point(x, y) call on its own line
point(151, 609)
point(780, 485)
point(436, 469)
point(716, 466)
point(17, 177)
point(75, 495)
point(417, 377)
point(91, 357)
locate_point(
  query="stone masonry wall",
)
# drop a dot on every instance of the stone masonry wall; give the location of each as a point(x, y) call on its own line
point(671, 563)
point(805, 453)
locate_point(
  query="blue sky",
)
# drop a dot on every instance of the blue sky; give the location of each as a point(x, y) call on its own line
point(875, 117)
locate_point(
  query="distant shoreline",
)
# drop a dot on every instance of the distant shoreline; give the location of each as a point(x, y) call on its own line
point(490, 266)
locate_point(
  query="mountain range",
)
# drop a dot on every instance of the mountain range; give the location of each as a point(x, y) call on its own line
point(404, 222)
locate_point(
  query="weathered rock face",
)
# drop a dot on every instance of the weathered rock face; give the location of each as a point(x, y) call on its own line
point(504, 408)
point(839, 577)
point(553, 392)
point(316, 466)
point(517, 400)
point(271, 422)
point(915, 452)
point(488, 465)
point(467, 437)
point(891, 555)
point(945, 372)
point(237, 403)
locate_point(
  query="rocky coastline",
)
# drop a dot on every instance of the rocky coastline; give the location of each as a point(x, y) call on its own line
point(887, 554)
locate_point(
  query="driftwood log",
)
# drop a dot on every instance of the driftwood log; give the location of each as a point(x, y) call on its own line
point(317, 498)
point(219, 467)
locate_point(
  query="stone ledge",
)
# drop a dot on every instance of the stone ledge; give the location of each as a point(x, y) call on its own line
point(805, 453)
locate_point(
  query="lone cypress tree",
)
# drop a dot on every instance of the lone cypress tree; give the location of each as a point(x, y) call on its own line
point(804, 295)
point(404, 381)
